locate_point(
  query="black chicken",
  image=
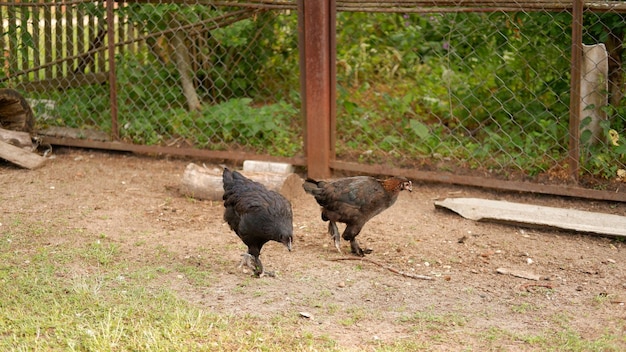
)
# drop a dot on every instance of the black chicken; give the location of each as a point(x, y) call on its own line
point(354, 201)
point(257, 215)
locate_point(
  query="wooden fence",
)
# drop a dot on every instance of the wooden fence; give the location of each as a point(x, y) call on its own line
point(58, 45)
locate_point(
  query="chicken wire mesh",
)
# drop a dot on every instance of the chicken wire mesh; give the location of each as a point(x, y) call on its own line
point(187, 74)
point(462, 88)
point(483, 93)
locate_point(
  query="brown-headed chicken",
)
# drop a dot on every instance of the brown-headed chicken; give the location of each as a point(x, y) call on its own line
point(354, 201)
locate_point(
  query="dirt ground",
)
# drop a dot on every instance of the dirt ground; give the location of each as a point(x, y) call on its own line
point(134, 201)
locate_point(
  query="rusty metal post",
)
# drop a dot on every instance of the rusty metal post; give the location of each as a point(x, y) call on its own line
point(317, 62)
point(112, 76)
point(575, 89)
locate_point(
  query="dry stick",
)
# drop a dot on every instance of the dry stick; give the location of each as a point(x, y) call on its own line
point(529, 285)
point(412, 276)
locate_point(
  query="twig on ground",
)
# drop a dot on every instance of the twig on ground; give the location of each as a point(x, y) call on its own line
point(412, 276)
point(527, 286)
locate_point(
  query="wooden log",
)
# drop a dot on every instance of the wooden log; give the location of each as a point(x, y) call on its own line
point(16, 138)
point(15, 113)
point(203, 183)
point(20, 156)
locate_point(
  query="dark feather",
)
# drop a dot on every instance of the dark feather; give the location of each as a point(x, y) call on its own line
point(354, 201)
point(256, 214)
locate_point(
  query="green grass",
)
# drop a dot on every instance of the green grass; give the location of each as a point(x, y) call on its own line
point(87, 294)
point(437, 326)
point(87, 299)
point(428, 320)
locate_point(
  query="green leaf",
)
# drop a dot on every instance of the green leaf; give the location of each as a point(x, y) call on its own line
point(585, 122)
point(585, 136)
point(420, 129)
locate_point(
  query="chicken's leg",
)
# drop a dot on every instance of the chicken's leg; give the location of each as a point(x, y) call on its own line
point(260, 271)
point(248, 261)
point(334, 233)
point(349, 234)
point(254, 263)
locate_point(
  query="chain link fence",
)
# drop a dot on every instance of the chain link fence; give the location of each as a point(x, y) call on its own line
point(480, 92)
point(187, 74)
point(482, 89)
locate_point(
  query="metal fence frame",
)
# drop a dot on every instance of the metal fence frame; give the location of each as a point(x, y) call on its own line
point(320, 110)
point(318, 90)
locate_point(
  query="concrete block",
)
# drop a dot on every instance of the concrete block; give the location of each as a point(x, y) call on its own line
point(266, 166)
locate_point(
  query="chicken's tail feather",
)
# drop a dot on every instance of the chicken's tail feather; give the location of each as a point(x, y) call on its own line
point(310, 185)
point(227, 178)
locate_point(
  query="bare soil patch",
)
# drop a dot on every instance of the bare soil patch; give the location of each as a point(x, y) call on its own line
point(134, 202)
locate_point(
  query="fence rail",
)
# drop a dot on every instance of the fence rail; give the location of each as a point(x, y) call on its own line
point(483, 93)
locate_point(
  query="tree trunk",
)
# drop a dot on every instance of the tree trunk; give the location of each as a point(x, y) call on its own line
point(183, 64)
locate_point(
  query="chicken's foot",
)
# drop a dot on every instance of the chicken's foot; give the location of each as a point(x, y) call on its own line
point(357, 250)
point(247, 260)
point(254, 264)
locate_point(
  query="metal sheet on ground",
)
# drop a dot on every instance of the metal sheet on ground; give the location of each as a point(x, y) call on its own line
point(536, 215)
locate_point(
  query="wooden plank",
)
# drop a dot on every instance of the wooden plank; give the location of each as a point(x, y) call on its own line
point(67, 82)
point(16, 138)
point(48, 40)
point(13, 44)
point(59, 30)
point(172, 150)
point(20, 156)
point(70, 40)
point(24, 17)
point(3, 29)
point(36, 15)
point(536, 215)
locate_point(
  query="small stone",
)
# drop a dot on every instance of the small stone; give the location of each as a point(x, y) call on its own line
point(341, 284)
point(487, 254)
point(306, 315)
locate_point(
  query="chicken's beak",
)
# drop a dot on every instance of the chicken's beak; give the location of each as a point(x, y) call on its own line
point(288, 244)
